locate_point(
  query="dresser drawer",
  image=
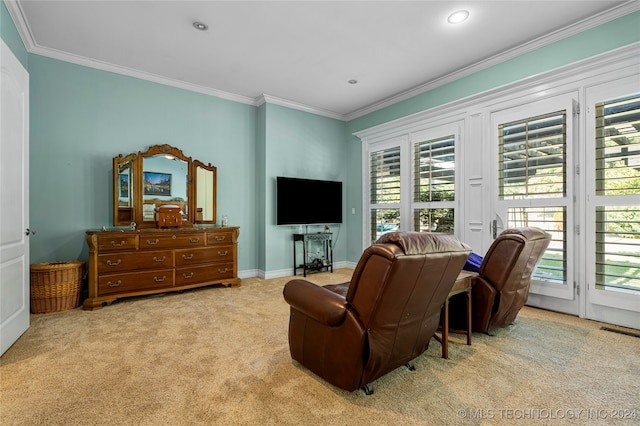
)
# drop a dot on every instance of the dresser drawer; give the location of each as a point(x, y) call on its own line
point(115, 262)
point(155, 241)
point(220, 237)
point(119, 283)
point(116, 241)
point(204, 255)
point(203, 273)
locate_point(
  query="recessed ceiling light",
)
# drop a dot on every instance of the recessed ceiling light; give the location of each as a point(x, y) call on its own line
point(353, 82)
point(200, 26)
point(458, 16)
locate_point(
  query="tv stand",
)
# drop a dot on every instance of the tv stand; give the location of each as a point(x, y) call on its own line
point(322, 257)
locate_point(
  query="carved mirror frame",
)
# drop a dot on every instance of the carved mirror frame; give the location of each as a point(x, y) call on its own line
point(132, 200)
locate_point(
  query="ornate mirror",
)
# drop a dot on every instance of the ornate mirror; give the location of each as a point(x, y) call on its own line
point(162, 178)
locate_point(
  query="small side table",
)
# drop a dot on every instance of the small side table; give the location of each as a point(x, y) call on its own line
point(463, 284)
point(319, 264)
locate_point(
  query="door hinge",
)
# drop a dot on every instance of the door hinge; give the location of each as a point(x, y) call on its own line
point(576, 108)
point(576, 288)
point(577, 229)
point(578, 169)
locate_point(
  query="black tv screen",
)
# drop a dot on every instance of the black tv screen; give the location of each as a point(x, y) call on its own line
point(308, 201)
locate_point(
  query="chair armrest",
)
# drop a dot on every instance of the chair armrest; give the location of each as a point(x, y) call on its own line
point(316, 302)
point(484, 297)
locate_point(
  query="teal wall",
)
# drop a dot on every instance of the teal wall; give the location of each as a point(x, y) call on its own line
point(304, 145)
point(81, 118)
point(10, 36)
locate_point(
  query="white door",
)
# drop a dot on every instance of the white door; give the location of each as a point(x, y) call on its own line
point(612, 213)
point(535, 187)
point(14, 199)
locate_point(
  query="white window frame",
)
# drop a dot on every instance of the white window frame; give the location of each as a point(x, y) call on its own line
point(405, 139)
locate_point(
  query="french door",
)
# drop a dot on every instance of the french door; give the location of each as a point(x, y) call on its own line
point(612, 202)
point(534, 186)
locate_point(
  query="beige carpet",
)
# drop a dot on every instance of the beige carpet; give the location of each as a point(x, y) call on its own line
point(217, 356)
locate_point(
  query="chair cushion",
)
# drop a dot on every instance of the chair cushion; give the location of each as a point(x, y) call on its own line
point(423, 242)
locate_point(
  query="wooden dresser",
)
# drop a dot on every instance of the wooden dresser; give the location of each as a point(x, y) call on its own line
point(149, 261)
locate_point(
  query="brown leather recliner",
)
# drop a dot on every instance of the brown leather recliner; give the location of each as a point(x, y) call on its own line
point(353, 333)
point(502, 286)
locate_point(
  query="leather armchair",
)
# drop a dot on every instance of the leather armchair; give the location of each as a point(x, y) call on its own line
point(502, 286)
point(353, 333)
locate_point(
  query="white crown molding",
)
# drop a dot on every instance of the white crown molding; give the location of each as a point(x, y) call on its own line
point(626, 56)
point(21, 23)
point(591, 22)
point(143, 75)
point(15, 10)
point(264, 98)
point(26, 35)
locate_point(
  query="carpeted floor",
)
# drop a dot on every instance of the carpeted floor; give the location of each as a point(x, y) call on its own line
point(218, 356)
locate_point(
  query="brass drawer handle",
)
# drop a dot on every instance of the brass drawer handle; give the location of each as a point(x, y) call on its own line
point(191, 240)
point(219, 238)
point(223, 253)
point(187, 257)
point(187, 276)
point(159, 280)
point(223, 271)
point(153, 243)
point(116, 263)
point(114, 244)
point(116, 284)
point(155, 259)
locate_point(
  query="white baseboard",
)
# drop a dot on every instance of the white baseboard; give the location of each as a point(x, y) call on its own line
point(287, 272)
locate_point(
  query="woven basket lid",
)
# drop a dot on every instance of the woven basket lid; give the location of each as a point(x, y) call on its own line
point(67, 264)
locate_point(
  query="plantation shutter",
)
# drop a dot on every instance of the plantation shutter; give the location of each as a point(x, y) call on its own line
point(617, 178)
point(532, 157)
point(385, 176)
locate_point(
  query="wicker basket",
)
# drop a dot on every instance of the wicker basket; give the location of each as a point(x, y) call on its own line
point(56, 286)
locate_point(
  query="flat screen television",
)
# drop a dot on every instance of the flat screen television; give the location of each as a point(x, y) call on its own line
point(308, 201)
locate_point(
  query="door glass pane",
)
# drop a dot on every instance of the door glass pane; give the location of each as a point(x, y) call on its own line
point(553, 266)
point(532, 157)
point(618, 248)
point(618, 146)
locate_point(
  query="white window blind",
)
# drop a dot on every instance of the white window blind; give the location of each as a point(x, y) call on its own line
point(618, 147)
point(385, 176)
point(532, 157)
point(385, 191)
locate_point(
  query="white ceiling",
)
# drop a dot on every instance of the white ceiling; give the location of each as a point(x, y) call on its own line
point(301, 53)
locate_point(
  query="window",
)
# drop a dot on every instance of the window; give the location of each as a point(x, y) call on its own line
point(412, 181)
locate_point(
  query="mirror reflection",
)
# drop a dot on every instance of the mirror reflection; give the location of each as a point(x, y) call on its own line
point(164, 182)
point(123, 189)
point(205, 192)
